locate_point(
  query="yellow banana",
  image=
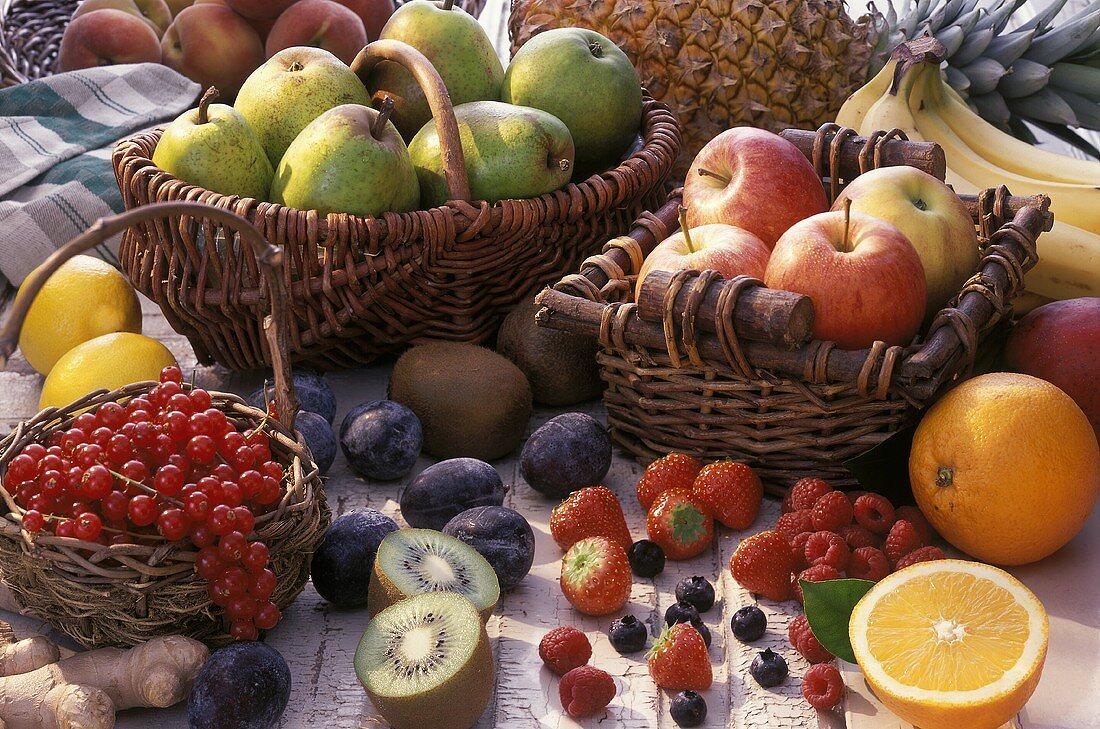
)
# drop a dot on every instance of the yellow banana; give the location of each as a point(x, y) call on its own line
point(891, 110)
point(855, 108)
point(1069, 263)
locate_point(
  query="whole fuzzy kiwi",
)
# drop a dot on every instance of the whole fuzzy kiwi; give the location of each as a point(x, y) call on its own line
point(471, 401)
point(560, 366)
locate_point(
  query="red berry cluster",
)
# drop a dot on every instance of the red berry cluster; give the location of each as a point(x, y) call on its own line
point(166, 463)
point(583, 690)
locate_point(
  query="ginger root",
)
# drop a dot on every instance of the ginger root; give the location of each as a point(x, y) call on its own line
point(21, 656)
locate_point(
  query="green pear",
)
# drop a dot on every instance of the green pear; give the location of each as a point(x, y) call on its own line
point(510, 151)
point(455, 44)
point(214, 147)
point(292, 89)
point(562, 71)
point(351, 159)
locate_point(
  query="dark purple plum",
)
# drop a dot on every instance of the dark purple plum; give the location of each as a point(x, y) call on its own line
point(319, 437)
point(568, 452)
point(342, 565)
point(444, 490)
point(244, 685)
point(502, 536)
point(381, 439)
point(314, 395)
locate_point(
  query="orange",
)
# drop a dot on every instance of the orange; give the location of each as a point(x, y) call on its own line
point(1006, 467)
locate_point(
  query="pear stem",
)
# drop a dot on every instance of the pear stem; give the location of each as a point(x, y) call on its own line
point(563, 164)
point(379, 125)
point(847, 222)
point(707, 173)
point(596, 49)
point(684, 228)
point(205, 102)
point(448, 4)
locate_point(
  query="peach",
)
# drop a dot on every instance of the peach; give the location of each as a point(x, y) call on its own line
point(321, 24)
point(211, 44)
point(154, 12)
point(260, 8)
point(107, 37)
point(373, 13)
point(177, 5)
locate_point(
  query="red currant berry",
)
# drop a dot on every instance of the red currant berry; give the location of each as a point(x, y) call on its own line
point(231, 547)
point(197, 505)
point(267, 616)
point(231, 442)
point(119, 449)
point(22, 468)
point(163, 448)
point(65, 528)
point(168, 481)
point(135, 470)
point(51, 462)
point(263, 585)
point(71, 439)
point(242, 608)
point(172, 524)
point(171, 373)
point(208, 564)
point(200, 449)
point(243, 458)
point(251, 481)
point(255, 557)
point(36, 451)
point(230, 494)
point(52, 483)
point(200, 424)
point(53, 440)
point(144, 434)
point(85, 422)
point(219, 592)
point(244, 519)
point(201, 536)
point(33, 521)
point(88, 526)
point(222, 520)
point(272, 469)
point(168, 390)
point(87, 455)
point(110, 415)
point(261, 453)
point(138, 416)
point(219, 424)
point(178, 425)
point(200, 399)
point(269, 492)
point(102, 436)
point(97, 482)
point(113, 506)
point(41, 503)
point(237, 580)
point(243, 630)
point(142, 510)
point(181, 404)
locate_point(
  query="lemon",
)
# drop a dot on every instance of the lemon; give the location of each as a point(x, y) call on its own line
point(108, 362)
point(83, 299)
point(950, 644)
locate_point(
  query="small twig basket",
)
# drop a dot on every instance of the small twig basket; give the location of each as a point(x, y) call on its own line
point(718, 375)
point(125, 594)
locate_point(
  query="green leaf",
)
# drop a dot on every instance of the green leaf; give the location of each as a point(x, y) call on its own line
point(885, 468)
point(829, 606)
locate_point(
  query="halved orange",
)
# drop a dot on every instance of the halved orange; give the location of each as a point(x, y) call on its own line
point(949, 644)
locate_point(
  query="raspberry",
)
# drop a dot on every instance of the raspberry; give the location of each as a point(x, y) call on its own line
point(585, 690)
point(806, 492)
point(822, 686)
point(875, 512)
point(914, 516)
point(853, 495)
point(798, 546)
point(791, 524)
point(565, 648)
point(868, 563)
point(785, 507)
point(857, 536)
point(826, 548)
point(803, 640)
point(817, 573)
point(831, 512)
point(924, 554)
point(902, 539)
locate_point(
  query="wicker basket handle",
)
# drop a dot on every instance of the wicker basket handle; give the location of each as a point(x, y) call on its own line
point(276, 325)
point(450, 145)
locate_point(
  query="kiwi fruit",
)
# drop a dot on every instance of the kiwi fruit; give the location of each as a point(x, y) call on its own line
point(471, 401)
point(414, 561)
point(561, 366)
point(426, 662)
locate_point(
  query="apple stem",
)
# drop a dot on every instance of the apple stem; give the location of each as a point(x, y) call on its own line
point(684, 228)
point(205, 102)
point(847, 222)
point(707, 173)
point(295, 66)
point(379, 125)
point(448, 4)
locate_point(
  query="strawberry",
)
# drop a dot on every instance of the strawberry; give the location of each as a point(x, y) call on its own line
point(763, 564)
point(678, 660)
point(674, 471)
point(732, 491)
point(680, 523)
point(593, 511)
point(595, 576)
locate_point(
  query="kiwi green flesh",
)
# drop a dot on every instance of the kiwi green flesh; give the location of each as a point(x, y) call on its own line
point(415, 561)
point(425, 661)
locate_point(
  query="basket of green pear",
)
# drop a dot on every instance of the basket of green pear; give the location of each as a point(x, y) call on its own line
point(391, 239)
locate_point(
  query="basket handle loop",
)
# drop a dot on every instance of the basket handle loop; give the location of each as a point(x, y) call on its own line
point(276, 325)
point(450, 145)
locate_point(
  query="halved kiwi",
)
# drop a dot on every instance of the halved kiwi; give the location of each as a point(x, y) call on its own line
point(413, 561)
point(425, 661)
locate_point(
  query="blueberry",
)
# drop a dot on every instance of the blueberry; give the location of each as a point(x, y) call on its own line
point(314, 395)
point(688, 709)
point(647, 559)
point(682, 612)
point(627, 634)
point(695, 591)
point(381, 439)
point(502, 536)
point(749, 624)
point(318, 435)
point(768, 668)
point(568, 452)
point(244, 685)
point(443, 491)
point(342, 565)
point(703, 631)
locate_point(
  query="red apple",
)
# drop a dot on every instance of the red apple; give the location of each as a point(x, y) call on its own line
point(863, 275)
point(320, 24)
point(1060, 342)
point(730, 251)
point(755, 180)
point(373, 13)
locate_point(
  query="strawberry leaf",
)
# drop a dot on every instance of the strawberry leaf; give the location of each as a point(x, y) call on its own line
point(687, 523)
point(829, 606)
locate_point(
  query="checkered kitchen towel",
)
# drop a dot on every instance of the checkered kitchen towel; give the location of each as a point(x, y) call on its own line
point(56, 137)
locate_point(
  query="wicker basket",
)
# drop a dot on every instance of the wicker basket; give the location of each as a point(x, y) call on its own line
point(31, 30)
point(362, 287)
point(125, 594)
point(714, 370)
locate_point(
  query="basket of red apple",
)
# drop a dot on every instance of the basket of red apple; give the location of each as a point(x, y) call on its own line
point(822, 288)
point(160, 508)
point(418, 194)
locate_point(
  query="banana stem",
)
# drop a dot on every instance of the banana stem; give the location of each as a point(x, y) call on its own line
point(684, 228)
point(707, 173)
point(205, 102)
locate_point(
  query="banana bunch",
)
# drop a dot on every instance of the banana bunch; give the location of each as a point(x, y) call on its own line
point(913, 97)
